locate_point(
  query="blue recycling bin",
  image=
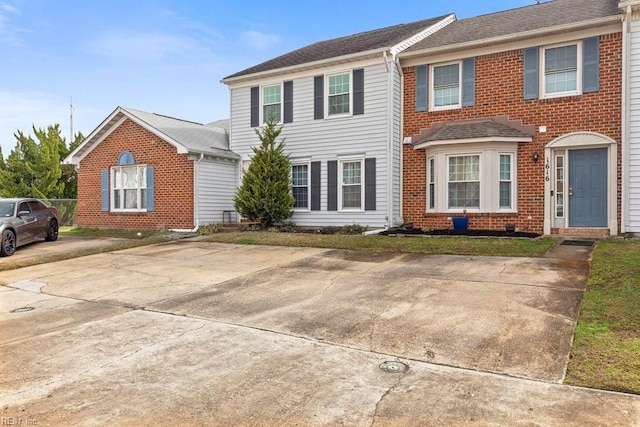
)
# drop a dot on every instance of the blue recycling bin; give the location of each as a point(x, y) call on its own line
point(460, 223)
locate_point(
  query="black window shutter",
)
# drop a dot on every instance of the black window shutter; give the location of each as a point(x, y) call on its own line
point(468, 82)
point(255, 106)
point(591, 65)
point(318, 97)
point(358, 91)
point(315, 186)
point(332, 185)
point(288, 102)
point(531, 58)
point(421, 88)
point(370, 184)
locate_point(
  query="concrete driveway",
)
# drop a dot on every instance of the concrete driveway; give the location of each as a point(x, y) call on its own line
point(201, 333)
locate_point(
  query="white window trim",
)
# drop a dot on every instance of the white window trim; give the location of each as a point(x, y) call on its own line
point(489, 176)
point(543, 76)
point(341, 162)
point(262, 87)
point(326, 96)
point(306, 163)
point(429, 183)
point(112, 189)
point(512, 163)
point(558, 190)
point(446, 181)
point(432, 97)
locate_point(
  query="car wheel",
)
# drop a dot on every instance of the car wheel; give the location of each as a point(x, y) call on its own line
point(8, 246)
point(52, 231)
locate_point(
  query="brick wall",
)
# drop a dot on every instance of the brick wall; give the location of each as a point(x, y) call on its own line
point(499, 92)
point(173, 182)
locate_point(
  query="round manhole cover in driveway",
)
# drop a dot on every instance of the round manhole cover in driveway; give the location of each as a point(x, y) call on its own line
point(393, 366)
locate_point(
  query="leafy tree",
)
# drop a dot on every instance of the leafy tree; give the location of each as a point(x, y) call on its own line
point(33, 168)
point(265, 191)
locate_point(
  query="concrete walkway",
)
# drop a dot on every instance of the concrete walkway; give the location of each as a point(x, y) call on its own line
point(192, 333)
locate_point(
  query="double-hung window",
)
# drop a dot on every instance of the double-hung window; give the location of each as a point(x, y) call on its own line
point(129, 188)
point(339, 93)
point(431, 181)
point(446, 88)
point(272, 103)
point(300, 185)
point(506, 181)
point(561, 75)
point(351, 181)
point(463, 182)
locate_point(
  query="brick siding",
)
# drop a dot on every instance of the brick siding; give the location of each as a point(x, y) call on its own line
point(173, 182)
point(499, 92)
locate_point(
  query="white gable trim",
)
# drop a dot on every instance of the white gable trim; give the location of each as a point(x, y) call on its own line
point(111, 123)
point(407, 43)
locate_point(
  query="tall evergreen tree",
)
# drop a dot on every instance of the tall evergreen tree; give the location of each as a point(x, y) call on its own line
point(265, 191)
point(33, 168)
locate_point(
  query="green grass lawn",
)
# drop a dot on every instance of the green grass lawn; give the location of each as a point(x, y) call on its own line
point(606, 348)
point(418, 245)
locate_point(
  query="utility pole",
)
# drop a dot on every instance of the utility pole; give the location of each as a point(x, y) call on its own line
point(70, 120)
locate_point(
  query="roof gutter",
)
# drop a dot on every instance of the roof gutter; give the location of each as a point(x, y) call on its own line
point(306, 66)
point(513, 37)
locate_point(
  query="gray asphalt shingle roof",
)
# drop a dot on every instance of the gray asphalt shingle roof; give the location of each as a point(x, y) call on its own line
point(510, 22)
point(355, 43)
point(211, 139)
point(194, 136)
point(493, 127)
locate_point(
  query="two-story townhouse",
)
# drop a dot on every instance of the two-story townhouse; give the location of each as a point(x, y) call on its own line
point(631, 117)
point(339, 102)
point(515, 117)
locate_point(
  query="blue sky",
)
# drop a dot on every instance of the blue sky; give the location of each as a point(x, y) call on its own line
point(165, 56)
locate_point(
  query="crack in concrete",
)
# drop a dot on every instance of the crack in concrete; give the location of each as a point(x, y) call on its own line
point(386, 393)
point(331, 282)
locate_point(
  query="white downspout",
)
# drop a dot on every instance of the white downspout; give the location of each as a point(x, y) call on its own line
point(196, 219)
point(389, 214)
point(626, 117)
point(401, 141)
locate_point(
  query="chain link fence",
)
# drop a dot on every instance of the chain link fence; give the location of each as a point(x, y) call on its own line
point(66, 209)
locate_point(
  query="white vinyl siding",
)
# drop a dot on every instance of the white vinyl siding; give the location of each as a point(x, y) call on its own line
point(633, 150)
point(365, 136)
point(216, 185)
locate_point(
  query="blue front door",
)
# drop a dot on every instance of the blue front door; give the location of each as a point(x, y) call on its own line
point(588, 188)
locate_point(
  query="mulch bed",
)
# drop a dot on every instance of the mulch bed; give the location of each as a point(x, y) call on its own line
point(451, 232)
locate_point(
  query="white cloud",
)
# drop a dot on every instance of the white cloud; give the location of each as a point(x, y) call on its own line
point(142, 46)
point(8, 32)
point(258, 40)
point(8, 8)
